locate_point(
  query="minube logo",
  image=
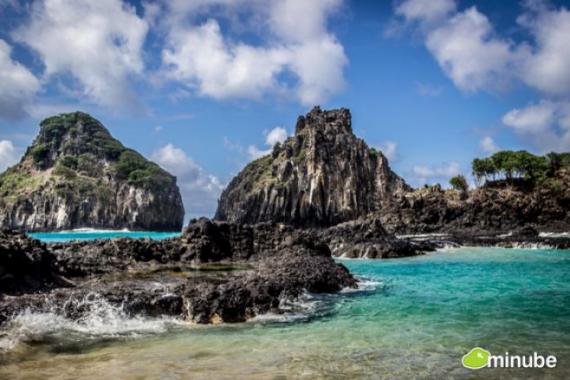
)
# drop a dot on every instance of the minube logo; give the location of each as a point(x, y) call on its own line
point(480, 358)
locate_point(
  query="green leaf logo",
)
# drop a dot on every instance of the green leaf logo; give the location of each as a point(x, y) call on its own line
point(476, 358)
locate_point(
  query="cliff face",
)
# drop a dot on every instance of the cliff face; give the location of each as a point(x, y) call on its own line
point(321, 176)
point(494, 208)
point(76, 175)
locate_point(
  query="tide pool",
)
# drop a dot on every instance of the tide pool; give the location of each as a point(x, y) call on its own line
point(412, 318)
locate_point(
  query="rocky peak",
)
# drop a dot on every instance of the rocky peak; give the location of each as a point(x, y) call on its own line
point(72, 134)
point(335, 121)
point(75, 174)
point(321, 176)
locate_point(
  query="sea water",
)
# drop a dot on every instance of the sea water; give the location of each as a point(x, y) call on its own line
point(411, 318)
point(92, 234)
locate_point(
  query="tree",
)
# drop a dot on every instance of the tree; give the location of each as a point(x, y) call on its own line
point(459, 183)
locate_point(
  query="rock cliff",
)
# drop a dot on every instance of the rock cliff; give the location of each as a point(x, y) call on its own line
point(76, 175)
point(495, 208)
point(321, 176)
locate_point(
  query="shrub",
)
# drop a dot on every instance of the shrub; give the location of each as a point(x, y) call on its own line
point(459, 183)
point(129, 161)
point(64, 171)
point(69, 162)
point(39, 152)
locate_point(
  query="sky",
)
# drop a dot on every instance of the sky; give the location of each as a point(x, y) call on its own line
point(202, 87)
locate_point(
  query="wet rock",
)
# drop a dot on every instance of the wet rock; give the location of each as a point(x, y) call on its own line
point(170, 277)
point(367, 238)
point(26, 265)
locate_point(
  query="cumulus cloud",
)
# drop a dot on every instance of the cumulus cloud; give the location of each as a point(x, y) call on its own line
point(200, 190)
point(547, 68)
point(487, 145)
point(545, 125)
point(18, 85)
point(467, 51)
point(99, 43)
point(426, 12)
point(8, 154)
point(422, 174)
point(475, 57)
point(272, 137)
point(295, 43)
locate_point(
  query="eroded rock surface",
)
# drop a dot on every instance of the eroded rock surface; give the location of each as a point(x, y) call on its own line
point(322, 176)
point(76, 175)
point(215, 272)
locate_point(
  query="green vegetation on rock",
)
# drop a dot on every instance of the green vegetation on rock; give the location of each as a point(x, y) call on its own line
point(519, 165)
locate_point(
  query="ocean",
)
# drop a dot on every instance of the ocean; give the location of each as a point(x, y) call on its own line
point(410, 318)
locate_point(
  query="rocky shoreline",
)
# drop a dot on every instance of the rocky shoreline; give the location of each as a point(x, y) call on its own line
point(215, 272)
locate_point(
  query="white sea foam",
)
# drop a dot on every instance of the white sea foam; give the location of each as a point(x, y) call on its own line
point(90, 231)
point(100, 320)
point(296, 309)
point(364, 284)
point(555, 234)
point(422, 236)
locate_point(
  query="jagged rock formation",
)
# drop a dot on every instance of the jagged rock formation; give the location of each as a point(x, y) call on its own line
point(214, 272)
point(26, 265)
point(321, 176)
point(76, 175)
point(492, 209)
point(367, 238)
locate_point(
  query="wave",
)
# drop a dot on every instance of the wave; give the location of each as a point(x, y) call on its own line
point(364, 284)
point(99, 319)
point(554, 234)
point(300, 308)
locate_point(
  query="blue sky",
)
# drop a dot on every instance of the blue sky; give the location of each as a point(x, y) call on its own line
point(204, 86)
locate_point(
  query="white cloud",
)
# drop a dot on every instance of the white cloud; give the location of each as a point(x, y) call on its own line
point(200, 190)
point(98, 42)
point(470, 52)
point(272, 137)
point(547, 68)
point(487, 145)
point(255, 153)
point(422, 174)
point(535, 118)
point(8, 154)
point(276, 135)
point(18, 85)
point(545, 125)
point(425, 11)
point(295, 42)
point(389, 149)
point(467, 51)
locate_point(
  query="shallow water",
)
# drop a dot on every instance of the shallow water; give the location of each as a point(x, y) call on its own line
point(89, 234)
point(414, 318)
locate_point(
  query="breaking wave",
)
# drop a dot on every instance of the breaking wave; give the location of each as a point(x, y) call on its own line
point(99, 319)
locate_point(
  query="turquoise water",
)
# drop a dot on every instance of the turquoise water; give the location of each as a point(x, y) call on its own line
point(413, 318)
point(65, 236)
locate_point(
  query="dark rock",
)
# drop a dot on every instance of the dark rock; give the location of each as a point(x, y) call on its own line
point(367, 238)
point(486, 210)
point(171, 277)
point(26, 265)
